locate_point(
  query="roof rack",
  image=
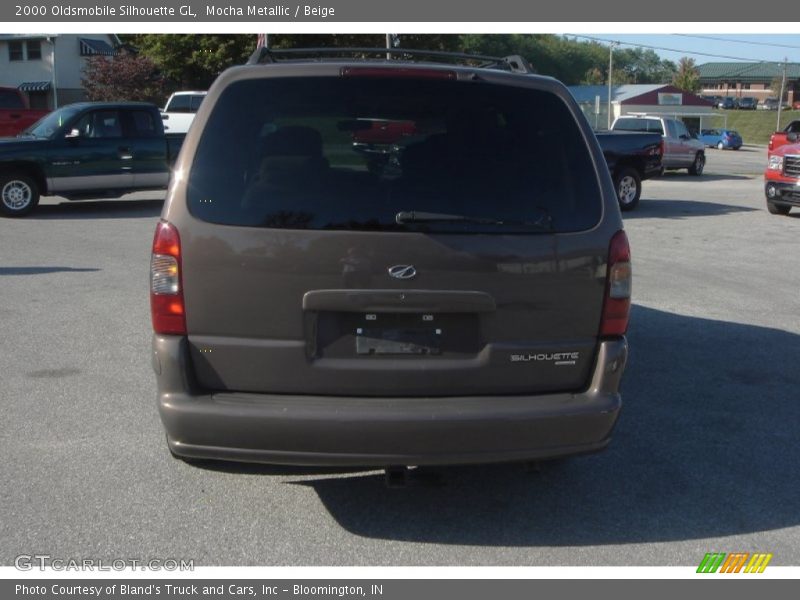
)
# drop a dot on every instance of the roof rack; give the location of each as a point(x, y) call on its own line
point(513, 63)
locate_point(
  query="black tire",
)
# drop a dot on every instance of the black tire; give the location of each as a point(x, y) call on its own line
point(778, 209)
point(698, 164)
point(628, 186)
point(19, 194)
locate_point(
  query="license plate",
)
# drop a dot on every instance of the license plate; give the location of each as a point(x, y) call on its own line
point(398, 341)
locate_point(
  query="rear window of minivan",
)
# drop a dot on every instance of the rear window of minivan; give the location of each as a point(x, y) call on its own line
point(353, 152)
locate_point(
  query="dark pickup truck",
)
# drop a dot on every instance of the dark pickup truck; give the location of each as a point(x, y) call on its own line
point(15, 115)
point(631, 158)
point(86, 150)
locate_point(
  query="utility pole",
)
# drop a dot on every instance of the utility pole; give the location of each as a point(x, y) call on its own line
point(52, 41)
point(610, 70)
point(780, 98)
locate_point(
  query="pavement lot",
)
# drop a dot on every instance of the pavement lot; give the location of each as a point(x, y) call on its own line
point(705, 457)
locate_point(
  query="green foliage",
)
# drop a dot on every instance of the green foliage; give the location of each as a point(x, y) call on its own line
point(687, 78)
point(447, 42)
point(574, 61)
point(122, 77)
point(593, 76)
point(194, 61)
point(776, 86)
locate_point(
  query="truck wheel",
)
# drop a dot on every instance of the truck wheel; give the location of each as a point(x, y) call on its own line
point(19, 195)
point(778, 209)
point(698, 165)
point(629, 188)
point(720, 146)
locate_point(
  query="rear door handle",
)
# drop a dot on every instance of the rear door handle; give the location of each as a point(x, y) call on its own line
point(15, 116)
point(125, 153)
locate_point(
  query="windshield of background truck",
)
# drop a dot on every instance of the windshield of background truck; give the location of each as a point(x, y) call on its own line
point(353, 152)
point(634, 124)
point(47, 126)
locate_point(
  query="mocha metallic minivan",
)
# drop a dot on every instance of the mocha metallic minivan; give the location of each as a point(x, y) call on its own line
point(389, 262)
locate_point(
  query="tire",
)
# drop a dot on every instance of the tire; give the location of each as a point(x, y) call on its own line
point(628, 185)
point(778, 209)
point(720, 146)
point(698, 165)
point(19, 195)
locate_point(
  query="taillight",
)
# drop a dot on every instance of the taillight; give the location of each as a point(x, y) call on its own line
point(617, 302)
point(166, 291)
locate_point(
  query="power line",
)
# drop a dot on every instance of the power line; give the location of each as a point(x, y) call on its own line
point(751, 42)
point(607, 41)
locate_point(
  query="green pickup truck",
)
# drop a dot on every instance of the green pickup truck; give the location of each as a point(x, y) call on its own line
point(86, 150)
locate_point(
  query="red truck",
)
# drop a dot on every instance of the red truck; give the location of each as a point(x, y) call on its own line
point(789, 135)
point(14, 112)
point(782, 179)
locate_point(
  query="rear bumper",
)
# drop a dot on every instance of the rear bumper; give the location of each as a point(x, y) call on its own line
point(358, 431)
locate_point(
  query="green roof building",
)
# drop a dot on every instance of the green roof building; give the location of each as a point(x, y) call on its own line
point(743, 79)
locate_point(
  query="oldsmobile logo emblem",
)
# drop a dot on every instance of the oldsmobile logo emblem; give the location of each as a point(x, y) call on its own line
point(403, 271)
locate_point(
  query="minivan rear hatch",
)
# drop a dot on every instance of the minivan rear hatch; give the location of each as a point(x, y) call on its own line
point(390, 233)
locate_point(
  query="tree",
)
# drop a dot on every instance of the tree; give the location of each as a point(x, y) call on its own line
point(643, 66)
point(123, 76)
point(594, 76)
point(574, 61)
point(449, 42)
point(193, 61)
point(776, 86)
point(687, 77)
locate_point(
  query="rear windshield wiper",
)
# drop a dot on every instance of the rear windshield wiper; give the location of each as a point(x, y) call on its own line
point(545, 222)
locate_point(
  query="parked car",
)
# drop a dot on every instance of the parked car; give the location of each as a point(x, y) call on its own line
point(782, 179)
point(465, 304)
point(769, 104)
point(789, 135)
point(178, 113)
point(15, 115)
point(721, 138)
point(381, 135)
point(727, 103)
point(681, 149)
point(631, 158)
point(84, 150)
point(747, 103)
